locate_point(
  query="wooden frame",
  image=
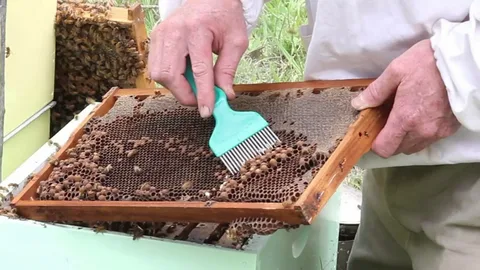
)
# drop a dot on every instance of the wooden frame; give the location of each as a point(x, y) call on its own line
point(357, 142)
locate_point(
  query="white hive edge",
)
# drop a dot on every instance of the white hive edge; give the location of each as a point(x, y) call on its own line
point(257, 144)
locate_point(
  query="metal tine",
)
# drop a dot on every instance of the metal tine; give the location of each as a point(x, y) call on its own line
point(257, 144)
point(259, 140)
point(271, 139)
point(246, 152)
point(236, 155)
point(251, 141)
point(265, 140)
point(250, 147)
point(271, 135)
point(261, 143)
point(269, 142)
point(241, 159)
point(225, 161)
point(241, 153)
point(232, 162)
point(237, 165)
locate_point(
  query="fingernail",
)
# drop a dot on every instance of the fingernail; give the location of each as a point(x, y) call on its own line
point(358, 103)
point(204, 111)
point(230, 91)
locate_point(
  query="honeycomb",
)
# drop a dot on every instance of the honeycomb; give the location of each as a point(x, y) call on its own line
point(155, 149)
point(92, 55)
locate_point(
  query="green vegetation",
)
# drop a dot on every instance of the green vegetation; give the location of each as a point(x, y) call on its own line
point(276, 52)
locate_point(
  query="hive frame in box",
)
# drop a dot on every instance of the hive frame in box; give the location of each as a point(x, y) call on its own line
point(135, 17)
point(356, 142)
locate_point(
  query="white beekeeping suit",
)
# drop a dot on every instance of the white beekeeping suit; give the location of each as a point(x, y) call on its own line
point(413, 216)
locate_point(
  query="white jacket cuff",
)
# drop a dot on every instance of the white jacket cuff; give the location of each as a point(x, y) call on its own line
point(251, 10)
point(457, 51)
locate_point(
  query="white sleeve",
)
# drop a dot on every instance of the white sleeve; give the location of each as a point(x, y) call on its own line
point(251, 10)
point(456, 48)
point(166, 7)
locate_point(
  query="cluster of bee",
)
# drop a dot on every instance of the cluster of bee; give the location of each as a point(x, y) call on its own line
point(93, 54)
point(277, 175)
point(136, 229)
point(246, 227)
point(83, 174)
point(9, 212)
point(71, 9)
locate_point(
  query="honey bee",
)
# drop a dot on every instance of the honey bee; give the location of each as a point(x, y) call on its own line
point(90, 100)
point(57, 145)
point(29, 178)
point(232, 234)
point(137, 170)
point(209, 203)
point(171, 228)
point(108, 168)
point(137, 232)
point(8, 212)
point(187, 185)
point(13, 185)
point(132, 153)
point(185, 198)
point(145, 186)
point(341, 164)
point(99, 229)
point(53, 160)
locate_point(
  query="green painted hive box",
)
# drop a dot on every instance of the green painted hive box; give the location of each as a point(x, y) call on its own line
point(29, 79)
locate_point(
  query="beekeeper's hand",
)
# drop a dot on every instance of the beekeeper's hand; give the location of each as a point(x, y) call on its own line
point(198, 28)
point(421, 112)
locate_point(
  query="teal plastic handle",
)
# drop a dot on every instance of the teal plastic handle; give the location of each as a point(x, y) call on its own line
point(231, 127)
point(221, 104)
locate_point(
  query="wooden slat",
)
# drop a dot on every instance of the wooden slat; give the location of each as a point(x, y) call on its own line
point(357, 141)
point(354, 145)
point(137, 17)
point(201, 233)
point(186, 231)
point(221, 212)
point(259, 87)
point(120, 15)
point(322, 84)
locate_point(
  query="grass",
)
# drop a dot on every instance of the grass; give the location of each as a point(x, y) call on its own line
point(275, 53)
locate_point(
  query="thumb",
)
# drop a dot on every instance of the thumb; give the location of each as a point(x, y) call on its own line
point(378, 91)
point(226, 66)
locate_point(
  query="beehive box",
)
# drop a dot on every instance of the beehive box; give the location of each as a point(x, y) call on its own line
point(142, 157)
point(308, 247)
point(98, 46)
